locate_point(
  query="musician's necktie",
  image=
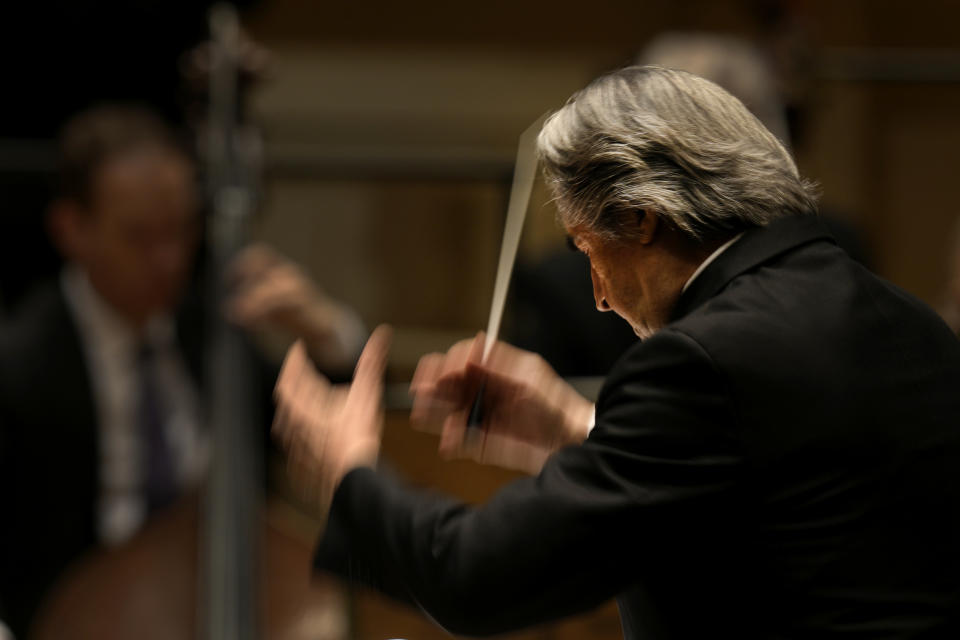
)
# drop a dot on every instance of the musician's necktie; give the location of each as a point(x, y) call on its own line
point(159, 481)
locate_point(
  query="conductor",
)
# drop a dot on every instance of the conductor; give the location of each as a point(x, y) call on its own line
point(779, 457)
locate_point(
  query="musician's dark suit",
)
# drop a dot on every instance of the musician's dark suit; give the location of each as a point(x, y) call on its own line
point(49, 439)
point(781, 461)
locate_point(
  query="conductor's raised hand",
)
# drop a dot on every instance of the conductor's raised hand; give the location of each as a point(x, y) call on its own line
point(329, 430)
point(528, 411)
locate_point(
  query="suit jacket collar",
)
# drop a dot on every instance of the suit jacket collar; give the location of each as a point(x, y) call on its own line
point(757, 246)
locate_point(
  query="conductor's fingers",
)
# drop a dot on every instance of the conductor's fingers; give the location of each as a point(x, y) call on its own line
point(373, 361)
point(296, 367)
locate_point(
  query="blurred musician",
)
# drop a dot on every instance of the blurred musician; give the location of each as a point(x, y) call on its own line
point(101, 412)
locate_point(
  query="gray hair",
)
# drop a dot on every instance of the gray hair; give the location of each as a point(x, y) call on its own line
point(646, 137)
point(733, 63)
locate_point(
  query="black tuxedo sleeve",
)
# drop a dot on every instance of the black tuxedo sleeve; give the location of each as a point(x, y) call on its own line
point(659, 466)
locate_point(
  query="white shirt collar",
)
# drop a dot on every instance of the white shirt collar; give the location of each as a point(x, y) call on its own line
point(102, 323)
point(713, 256)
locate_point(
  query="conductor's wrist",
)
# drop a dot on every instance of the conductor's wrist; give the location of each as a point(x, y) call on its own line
point(579, 421)
point(337, 471)
point(364, 456)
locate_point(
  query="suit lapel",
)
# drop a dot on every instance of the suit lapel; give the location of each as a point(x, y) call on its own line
point(53, 417)
point(756, 247)
point(74, 408)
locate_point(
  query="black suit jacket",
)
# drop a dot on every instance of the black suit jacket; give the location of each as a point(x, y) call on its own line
point(781, 461)
point(49, 442)
point(48, 431)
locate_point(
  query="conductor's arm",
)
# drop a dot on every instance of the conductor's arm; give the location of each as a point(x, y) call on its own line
point(659, 465)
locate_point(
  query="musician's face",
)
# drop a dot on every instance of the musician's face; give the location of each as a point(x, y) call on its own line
point(139, 232)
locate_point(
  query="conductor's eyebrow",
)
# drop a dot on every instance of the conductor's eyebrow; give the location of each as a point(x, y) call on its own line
point(571, 244)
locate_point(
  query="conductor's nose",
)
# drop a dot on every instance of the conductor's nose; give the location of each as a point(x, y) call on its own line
point(599, 297)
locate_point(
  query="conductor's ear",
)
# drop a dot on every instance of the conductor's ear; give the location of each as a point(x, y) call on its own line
point(648, 223)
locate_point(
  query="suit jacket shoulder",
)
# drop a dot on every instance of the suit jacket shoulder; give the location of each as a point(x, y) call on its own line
point(48, 451)
point(845, 392)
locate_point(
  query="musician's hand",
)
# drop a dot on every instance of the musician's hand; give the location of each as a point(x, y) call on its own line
point(528, 410)
point(329, 430)
point(271, 292)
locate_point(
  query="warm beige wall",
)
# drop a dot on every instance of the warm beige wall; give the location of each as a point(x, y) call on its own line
point(391, 170)
point(355, 95)
point(889, 156)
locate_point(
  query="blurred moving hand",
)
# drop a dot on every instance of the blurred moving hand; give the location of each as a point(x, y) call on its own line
point(271, 292)
point(329, 430)
point(528, 410)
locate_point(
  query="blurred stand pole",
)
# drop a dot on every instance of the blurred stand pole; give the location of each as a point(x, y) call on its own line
point(234, 496)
